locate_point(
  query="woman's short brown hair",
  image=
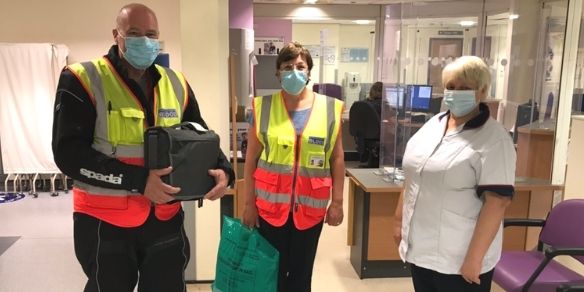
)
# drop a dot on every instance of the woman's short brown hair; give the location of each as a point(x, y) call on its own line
point(291, 51)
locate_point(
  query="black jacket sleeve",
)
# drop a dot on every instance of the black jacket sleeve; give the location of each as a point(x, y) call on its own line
point(73, 129)
point(192, 113)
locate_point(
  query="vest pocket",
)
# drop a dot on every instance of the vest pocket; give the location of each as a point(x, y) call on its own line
point(266, 189)
point(126, 126)
point(284, 151)
point(321, 187)
point(314, 213)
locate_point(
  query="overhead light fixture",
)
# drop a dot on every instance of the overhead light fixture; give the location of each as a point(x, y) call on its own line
point(513, 16)
point(361, 21)
point(467, 23)
point(310, 1)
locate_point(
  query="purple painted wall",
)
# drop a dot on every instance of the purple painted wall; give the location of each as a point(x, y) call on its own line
point(272, 27)
point(241, 14)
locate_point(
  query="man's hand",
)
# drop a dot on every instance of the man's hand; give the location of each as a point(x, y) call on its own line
point(334, 214)
point(156, 190)
point(220, 184)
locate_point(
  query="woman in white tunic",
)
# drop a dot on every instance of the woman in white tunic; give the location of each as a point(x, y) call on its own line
point(460, 171)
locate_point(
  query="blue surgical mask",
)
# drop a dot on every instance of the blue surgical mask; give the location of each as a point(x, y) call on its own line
point(293, 81)
point(460, 102)
point(141, 51)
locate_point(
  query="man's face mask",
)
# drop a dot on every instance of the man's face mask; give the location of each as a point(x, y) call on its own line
point(140, 51)
point(293, 81)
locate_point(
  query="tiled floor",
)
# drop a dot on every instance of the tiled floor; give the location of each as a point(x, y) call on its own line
point(43, 258)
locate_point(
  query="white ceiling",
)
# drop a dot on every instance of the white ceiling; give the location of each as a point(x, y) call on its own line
point(358, 2)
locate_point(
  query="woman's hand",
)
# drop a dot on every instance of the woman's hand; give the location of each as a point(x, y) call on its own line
point(250, 215)
point(471, 271)
point(334, 214)
point(397, 228)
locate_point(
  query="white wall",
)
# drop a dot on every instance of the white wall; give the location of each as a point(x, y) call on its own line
point(84, 26)
point(205, 36)
point(339, 36)
point(358, 36)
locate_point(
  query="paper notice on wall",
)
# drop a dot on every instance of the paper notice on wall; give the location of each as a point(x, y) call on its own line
point(329, 53)
point(268, 45)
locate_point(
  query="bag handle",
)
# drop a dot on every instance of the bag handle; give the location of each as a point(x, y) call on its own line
point(191, 126)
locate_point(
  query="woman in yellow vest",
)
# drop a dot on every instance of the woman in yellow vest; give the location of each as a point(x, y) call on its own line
point(294, 168)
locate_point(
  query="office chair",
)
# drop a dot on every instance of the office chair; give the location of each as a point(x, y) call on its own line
point(364, 123)
point(526, 114)
point(562, 234)
point(329, 89)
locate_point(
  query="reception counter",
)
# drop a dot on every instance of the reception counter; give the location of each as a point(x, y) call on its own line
point(372, 202)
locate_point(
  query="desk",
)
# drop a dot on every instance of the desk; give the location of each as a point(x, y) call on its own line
point(372, 203)
point(535, 149)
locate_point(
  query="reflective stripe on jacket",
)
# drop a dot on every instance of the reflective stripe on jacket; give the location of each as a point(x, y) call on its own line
point(119, 133)
point(295, 168)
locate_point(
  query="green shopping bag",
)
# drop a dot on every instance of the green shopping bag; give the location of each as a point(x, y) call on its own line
point(246, 262)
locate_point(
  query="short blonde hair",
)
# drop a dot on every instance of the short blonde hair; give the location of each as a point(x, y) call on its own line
point(473, 70)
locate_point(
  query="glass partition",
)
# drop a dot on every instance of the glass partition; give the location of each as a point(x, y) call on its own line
point(522, 43)
point(419, 40)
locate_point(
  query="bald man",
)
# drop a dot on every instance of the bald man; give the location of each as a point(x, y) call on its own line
point(126, 232)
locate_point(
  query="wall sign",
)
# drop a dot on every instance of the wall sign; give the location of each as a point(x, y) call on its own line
point(355, 55)
point(450, 32)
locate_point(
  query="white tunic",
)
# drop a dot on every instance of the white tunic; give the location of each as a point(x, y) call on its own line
point(445, 178)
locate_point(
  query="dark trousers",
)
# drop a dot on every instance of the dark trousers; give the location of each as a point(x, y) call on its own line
point(297, 251)
point(114, 259)
point(431, 281)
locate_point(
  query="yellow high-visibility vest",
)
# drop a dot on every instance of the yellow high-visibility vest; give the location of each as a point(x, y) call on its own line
point(295, 167)
point(119, 132)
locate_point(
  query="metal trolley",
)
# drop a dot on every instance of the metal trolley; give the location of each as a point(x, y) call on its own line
point(22, 183)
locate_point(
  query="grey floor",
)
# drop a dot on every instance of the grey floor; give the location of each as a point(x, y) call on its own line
point(6, 242)
point(42, 259)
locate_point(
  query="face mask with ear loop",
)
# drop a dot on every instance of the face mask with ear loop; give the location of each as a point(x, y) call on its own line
point(294, 81)
point(460, 102)
point(140, 51)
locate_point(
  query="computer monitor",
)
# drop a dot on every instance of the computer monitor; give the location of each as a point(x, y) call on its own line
point(418, 99)
point(395, 96)
point(435, 104)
